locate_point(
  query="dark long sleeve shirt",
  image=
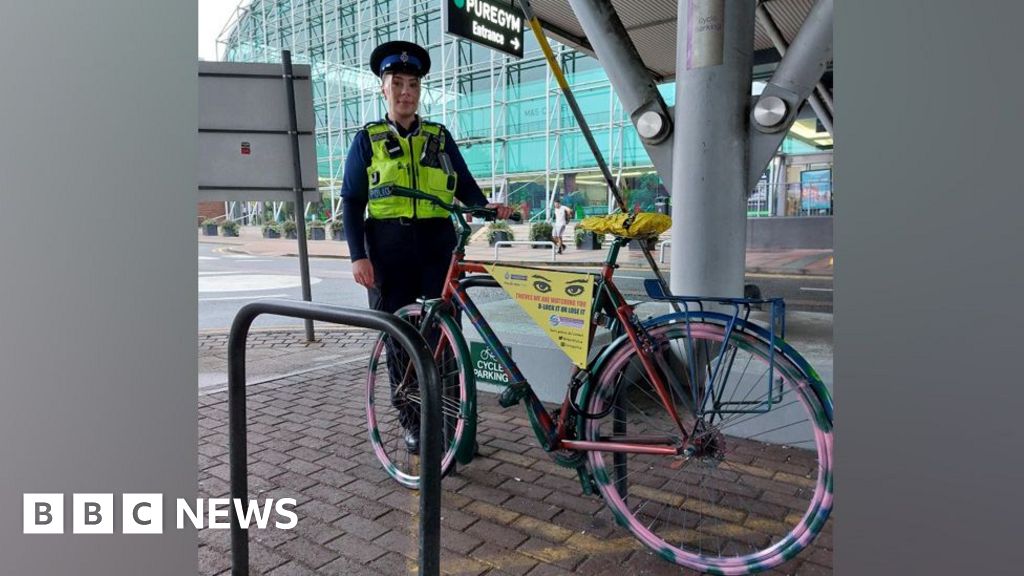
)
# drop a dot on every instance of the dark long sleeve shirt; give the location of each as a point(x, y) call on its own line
point(355, 185)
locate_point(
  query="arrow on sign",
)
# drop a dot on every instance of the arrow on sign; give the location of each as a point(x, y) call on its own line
point(515, 43)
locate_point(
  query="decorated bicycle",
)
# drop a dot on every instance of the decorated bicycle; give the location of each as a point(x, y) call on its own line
point(670, 422)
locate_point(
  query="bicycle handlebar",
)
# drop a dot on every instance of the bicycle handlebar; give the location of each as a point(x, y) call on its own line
point(478, 211)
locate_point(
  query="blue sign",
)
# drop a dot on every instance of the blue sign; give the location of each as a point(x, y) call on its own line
point(816, 190)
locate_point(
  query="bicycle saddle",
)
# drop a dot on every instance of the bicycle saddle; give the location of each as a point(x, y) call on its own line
point(628, 225)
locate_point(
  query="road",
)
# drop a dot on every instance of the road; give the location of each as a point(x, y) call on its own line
point(801, 293)
point(228, 281)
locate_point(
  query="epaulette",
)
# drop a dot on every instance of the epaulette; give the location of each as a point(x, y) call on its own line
point(376, 127)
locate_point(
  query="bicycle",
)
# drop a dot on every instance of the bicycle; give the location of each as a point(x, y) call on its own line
point(671, 422)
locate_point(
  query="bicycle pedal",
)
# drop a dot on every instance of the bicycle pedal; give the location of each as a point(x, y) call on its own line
point(511, 395)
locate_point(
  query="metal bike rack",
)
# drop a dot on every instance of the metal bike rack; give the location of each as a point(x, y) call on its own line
point(524, 242)
point(661, 250)
point(430, 443)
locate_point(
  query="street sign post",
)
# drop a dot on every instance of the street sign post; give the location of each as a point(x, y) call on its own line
point(491, 23)
point(245, 133)
point(257, 140)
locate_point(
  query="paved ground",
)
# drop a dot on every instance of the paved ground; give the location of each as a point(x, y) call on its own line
point(509, 512)
point(797, 262)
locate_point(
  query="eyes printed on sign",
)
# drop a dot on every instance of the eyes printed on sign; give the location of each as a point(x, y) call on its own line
point(541, 284)
point(575, 287)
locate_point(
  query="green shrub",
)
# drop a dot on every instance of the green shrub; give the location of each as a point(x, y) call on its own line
point(288, 228)
point(580, 234)
point(336, 229)
point(541, 231)
point(498, 226)
point(312, 226)
point(229, 228)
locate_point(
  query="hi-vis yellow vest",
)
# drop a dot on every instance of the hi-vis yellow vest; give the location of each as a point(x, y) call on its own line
point(406, 171)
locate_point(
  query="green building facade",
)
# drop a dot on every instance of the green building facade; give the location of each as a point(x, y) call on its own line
point(512, 123)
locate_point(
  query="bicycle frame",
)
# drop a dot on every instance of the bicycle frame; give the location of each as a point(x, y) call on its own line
point(608, 299)
point(577, 432)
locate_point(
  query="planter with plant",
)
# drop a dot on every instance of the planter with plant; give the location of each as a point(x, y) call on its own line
point(315, 230)
point(229, 228)
point(270, 230)
point(337, 230)
point(499, 231)
point(289, 229)
point(587, 239)
point(540, 231)
point(209, 227)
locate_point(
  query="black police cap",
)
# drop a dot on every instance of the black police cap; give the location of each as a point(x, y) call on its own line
point(400, 56)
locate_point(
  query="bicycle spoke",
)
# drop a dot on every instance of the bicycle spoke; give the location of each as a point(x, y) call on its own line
point(395, 399)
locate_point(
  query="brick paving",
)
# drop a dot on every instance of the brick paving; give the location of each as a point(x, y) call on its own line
point(511, 511)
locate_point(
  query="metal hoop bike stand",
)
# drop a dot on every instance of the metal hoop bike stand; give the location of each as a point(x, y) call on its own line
point(406, 336)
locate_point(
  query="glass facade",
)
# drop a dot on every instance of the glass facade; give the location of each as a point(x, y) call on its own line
point(512, 123)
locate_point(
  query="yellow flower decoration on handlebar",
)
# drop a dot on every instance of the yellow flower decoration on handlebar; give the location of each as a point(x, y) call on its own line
point(626, 225)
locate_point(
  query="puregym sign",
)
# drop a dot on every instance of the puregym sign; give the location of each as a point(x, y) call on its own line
point(491, 23)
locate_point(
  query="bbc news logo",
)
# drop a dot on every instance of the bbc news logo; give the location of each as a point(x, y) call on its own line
point(144, 513)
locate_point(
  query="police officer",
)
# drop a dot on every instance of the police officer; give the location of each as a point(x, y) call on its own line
point(402, 250)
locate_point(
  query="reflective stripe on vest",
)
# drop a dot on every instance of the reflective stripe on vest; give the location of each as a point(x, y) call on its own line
point(406, 171)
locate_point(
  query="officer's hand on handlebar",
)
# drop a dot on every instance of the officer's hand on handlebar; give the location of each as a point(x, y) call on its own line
point(503, 210)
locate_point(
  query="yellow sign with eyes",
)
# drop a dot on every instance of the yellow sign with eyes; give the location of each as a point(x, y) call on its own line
point(558, 302)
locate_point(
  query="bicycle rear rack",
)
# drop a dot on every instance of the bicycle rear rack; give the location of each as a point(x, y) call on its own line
point(718, 365)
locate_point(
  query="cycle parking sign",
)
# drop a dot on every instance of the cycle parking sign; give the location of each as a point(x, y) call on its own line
point(486, 367)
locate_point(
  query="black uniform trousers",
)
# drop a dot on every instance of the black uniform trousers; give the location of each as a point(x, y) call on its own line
point(410, 260)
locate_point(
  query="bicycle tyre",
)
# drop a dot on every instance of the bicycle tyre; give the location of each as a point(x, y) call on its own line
point(382, 413)
point(738, 515)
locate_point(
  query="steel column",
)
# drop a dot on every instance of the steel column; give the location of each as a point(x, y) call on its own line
point(819, 99)
point(793, 81)
point(709, 178)
point(630, 79)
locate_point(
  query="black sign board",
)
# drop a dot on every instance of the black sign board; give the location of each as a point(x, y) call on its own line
point(491, 23)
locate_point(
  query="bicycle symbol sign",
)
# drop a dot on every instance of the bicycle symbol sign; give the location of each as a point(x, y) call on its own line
point(486, 367)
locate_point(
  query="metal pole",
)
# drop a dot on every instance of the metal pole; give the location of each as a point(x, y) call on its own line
point(781, 193)
point(709, 192)
point(630, 78)
point(588, 135)
point(494, 162)
point(547, 135)
point(300, 201)
point(406, 336)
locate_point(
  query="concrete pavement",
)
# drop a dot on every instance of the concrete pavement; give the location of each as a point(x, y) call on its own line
point(788, 262)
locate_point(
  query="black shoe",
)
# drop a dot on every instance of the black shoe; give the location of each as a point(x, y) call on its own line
point(412, 441)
